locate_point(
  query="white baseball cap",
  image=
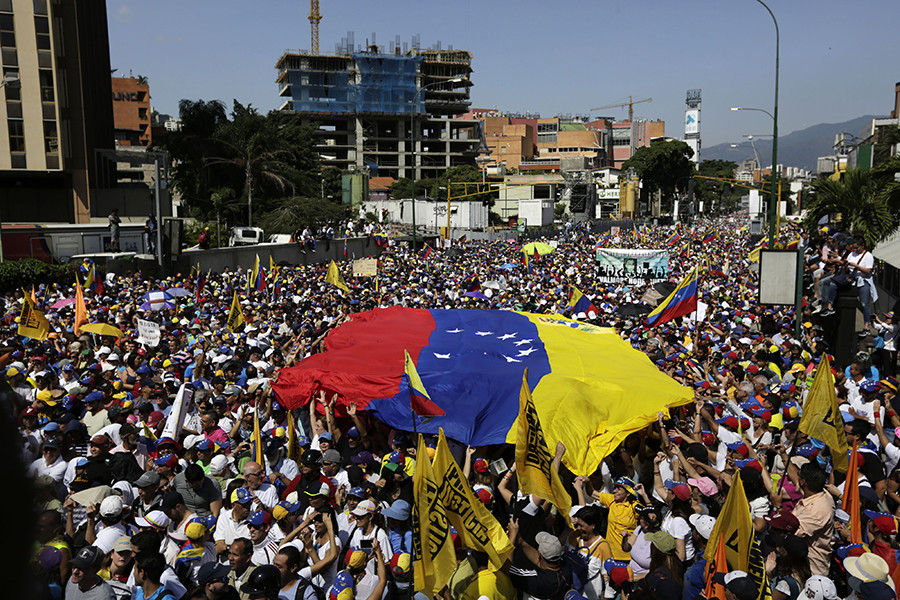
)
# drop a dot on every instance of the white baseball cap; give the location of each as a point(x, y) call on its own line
point(703, 524)
point(819, 588)
point(111, 506)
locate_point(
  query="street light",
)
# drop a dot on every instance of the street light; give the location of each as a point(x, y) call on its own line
point(412, 144)
point(773, 202)
point(13, 82)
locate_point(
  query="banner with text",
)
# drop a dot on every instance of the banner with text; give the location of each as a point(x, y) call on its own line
point(148, 332)
point(633, 265)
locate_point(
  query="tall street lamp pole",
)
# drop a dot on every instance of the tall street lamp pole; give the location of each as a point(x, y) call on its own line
point(412, 144)
point(773, 198)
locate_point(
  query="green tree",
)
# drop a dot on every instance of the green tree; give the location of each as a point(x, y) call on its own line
point(661, 166)
point(253, 144)
point(719, 194)
point(868, 206)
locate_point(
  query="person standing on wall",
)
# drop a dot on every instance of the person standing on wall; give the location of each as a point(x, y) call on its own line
point(114, 222)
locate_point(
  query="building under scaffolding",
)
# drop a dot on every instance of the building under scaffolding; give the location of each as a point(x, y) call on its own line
point(361, 101)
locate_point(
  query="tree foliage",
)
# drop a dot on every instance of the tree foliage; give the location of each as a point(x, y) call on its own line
point(722, 195)
point(867, 202)
point(662, 165)
point(296, 212)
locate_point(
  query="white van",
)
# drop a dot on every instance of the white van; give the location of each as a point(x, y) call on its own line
point(245, 236)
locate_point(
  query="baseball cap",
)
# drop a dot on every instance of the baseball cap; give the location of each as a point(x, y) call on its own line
point(318, 488)
point(195, 530)
point(663, 541)
point(885, 522)
point(819, 588)
point(783, 521)
point(549, 547)
point(869, 386)
point(357, 492)
point(111, 506)
point(166, 460)
point(480, 465)
point(258, 518)
point(703, 524)
point(311, 457)
point(283, 509)
point(87, 558)
point(241, 495)
point(326, 435)
point(355, 558)
point(212, 571)
point(706, 485)
point(618, 570)
point(400, 563)
point(53, 443)
point(740, 584)
point(218, 463)
point(353, 432)
point(681, 490)
point(343, 587)
point(171, 500)
point(363, 457)
point(156, 519)
point(626, 483)
point(366, 507)
point(147, 479)
point(333, 456)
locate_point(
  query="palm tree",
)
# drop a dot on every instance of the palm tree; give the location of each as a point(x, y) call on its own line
point(866, 203)
point(251, 143)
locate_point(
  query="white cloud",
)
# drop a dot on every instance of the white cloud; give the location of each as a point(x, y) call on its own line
point(124, 14)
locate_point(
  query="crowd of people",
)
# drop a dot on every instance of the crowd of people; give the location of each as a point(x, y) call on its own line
point(126, 506)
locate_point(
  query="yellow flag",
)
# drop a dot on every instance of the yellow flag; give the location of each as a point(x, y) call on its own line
point(273, 270)
point(472, 520)
point(822, 418)
point(254, 272)
point(32, 322)
point(533, 459)
point(433, 554)
point(334, 277)
point(256, 449)
point(754, 255)
point(80, 309)
point(736, 527)
point(235, 315)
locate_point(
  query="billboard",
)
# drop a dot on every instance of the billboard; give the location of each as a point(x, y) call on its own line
point(634, 266)
point(691, 121)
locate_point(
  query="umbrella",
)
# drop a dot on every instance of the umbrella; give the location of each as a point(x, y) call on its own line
point(103, 329)
point(156, 306)
point(633, 310)
point(63, 302)
point(509, 266)
point(540, 247)
point(500, 286)
point(665, 288)
point(177, 291)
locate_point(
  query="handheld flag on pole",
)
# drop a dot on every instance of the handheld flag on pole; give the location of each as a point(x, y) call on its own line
point(580, 303)
point(80, 309)
point(293, 448)
point(32, 322)
point(426, 252)
point(821, 416)
point(534, 462)
point(419, 400)
point(850, 501)
point(682, 301)
point(471, 519)
point(334, 277)
point(94, 281)
point(256, 445)
point(235, 315)
point(735, 526)
point(717, 564)
point(673, 239)
point(434, 558)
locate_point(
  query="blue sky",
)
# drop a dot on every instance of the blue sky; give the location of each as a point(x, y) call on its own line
point(838, 60)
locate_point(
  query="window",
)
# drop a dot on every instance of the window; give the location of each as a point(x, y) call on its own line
point(10, 58)
point(547, 128)
point(142, 113)
point(16, 135)
point(46, 78)
point(42, 29)
point(40, 7)
point(7, 31)
point(546, 138)
point(51, 140)
point(14, 109)
point(13, 92)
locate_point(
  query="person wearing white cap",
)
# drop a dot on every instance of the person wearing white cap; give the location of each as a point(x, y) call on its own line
point(110, 512)
point(819, 588)
point(868, 567)
point(366, 529)
point(694, 576)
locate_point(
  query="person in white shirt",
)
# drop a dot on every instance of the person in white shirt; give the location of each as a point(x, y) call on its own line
point(110, 511)
point(232, 523)
point(265, 493)
point(264, 548)
point(366, 529)
point(51, 463)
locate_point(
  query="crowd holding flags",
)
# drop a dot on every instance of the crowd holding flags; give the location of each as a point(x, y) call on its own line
point(334, 277)
point(235, 315)
point(94, 282)
point(579, 303)
point(821, 417)
point(673, 239)
point(32, 322)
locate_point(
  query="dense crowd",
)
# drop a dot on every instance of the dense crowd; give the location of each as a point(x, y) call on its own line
point(126, 506)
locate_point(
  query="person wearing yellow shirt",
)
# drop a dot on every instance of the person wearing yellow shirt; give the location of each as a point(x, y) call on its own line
point(622, 519)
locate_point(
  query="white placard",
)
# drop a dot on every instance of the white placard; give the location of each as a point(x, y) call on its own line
point(148, 332)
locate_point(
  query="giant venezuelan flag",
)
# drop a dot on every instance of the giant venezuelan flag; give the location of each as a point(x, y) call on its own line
point(590, 388)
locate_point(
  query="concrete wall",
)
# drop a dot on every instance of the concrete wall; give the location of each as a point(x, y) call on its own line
point(245, 256)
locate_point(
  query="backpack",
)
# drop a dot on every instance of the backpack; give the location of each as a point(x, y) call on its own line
point(579, 565)
point(303, 584)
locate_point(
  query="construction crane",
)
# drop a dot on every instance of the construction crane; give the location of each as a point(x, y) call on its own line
point(630, 104)
point(314, 18)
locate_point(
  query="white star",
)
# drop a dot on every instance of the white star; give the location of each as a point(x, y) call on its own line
point(508, 336)
point(457, 330)
point(436, 355)
point(483, 333)
point(508, 359)
point(526, 352)
point(520, 342)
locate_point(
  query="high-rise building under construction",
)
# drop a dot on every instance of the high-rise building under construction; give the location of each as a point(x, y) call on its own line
point(364, 101)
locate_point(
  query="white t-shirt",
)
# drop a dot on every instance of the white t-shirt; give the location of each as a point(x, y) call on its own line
point(679, 529)
point(228, 530)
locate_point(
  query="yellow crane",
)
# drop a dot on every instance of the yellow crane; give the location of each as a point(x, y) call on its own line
point(630, 104)
point(314, 18)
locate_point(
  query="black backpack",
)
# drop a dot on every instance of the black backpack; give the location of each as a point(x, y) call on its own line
point(303, 584)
